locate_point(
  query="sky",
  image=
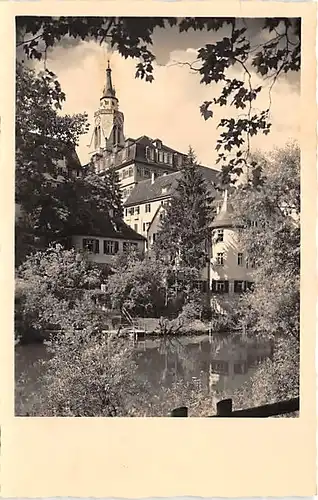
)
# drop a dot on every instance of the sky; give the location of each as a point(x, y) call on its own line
point(167, 108)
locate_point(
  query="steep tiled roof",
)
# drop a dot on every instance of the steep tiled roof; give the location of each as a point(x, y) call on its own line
point(107, 228)
point(146, 191)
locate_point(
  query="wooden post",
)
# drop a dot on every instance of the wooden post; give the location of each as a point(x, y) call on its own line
point(224, 408)
point(180, 412)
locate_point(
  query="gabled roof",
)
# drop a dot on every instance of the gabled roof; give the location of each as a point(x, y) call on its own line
point(108, 228)
point(146, 191)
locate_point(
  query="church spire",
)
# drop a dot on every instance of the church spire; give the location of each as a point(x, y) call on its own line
point(109, 90)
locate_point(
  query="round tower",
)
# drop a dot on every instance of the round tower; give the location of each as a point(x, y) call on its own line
point(229, 266)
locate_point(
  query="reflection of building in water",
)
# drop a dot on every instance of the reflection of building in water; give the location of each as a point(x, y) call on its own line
point(230, 364)
point(225, 363)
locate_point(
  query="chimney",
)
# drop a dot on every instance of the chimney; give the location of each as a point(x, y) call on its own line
point(152, 177)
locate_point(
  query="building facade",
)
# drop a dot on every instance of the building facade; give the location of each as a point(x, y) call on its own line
point(230, 271)
point(144, 206)
point(134, 160)
point(102, 248)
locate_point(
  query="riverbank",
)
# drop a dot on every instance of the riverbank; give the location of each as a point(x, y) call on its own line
point(192, 331)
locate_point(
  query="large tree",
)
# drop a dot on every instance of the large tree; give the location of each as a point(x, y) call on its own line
point(268, 210)
point(54, 200)
point(185, 228)
point(54, 290)
point(138, 284)
point(274, 52)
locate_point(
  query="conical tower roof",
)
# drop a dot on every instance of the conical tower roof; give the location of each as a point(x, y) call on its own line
point(109, 90)
point(225, 216)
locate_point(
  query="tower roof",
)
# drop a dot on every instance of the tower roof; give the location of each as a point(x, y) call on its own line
point(109, 90)
point(225, 216)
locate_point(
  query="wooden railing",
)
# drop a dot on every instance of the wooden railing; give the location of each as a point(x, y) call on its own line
point(224, 409)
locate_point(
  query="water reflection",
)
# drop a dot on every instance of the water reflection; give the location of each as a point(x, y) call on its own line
point(219, 363)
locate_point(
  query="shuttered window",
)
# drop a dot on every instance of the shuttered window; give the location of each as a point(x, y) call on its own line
point(91, 245)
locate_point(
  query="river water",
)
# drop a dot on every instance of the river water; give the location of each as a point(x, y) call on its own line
point(223, 363)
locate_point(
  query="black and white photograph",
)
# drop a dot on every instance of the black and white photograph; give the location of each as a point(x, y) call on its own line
point(157, 216)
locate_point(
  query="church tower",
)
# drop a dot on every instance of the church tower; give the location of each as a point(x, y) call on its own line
point(108, 135)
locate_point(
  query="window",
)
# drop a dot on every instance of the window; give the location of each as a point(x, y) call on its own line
point(170, 158)
point(146, 172)
point(128, 246)
point(130, 171)
point(126, 212)
point(240, 259)
point(160, 156)
point(153, 237)
point(161, 216)
point(131, 211)
point(125, 174)
point(239, 286)
point(220, 286)
point(221, 367)
point(220, 259)
point(165, 157)
point(220, 235)
point(240, 368)
point(145, 226)
point(152, 155)
point(137, 210)
point(91, 245)
point(136, 228)
point(110, 247)
point(148, 208)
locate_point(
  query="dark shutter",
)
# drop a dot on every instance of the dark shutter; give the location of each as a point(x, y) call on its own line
point(96, 246)
point(226, 286)
point(116, 246)
point(213, 286)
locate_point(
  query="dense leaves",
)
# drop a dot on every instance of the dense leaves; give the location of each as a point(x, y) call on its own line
point(270, 216)
point(138, 285)
point(278, 52)
point(56, 194)
point(54, 290)
point(184, 232)
point(87, 376)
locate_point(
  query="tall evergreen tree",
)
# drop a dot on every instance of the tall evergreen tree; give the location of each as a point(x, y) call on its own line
point(184, 231)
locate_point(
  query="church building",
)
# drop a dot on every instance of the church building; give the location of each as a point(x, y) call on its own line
point(134, 160)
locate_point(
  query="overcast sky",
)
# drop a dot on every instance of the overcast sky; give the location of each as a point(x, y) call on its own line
point(167, 108)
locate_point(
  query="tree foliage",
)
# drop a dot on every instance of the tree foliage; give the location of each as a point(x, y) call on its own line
point(54, 290)
point(137, 284)
point(87, 376)
point(269, 213)
point(55, 199)
point(278, 52)
point(182, 238)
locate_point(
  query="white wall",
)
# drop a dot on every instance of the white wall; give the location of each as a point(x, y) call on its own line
point(101, 258)
point(230, 247)
point(143, 217)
